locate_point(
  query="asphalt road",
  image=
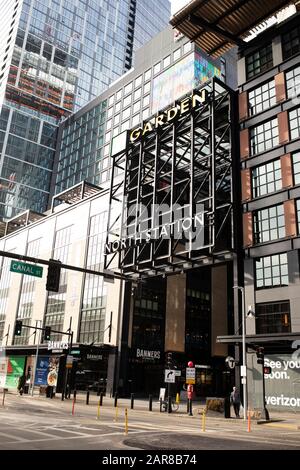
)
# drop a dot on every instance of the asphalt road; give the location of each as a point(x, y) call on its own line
point(28, 423)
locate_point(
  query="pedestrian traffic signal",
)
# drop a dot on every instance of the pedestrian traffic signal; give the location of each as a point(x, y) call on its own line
point(53, 275)
point(18, 328)
point(260, 355)
point(267, 370)
point(47, 333)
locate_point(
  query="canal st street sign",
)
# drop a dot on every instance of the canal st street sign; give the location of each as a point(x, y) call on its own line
point(25, 268)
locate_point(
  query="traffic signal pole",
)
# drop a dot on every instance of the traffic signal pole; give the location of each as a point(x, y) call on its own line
point(38, 334)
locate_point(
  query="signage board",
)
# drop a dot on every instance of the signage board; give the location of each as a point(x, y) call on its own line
point(190, 375)
point(26, 268)
point(69, 362)
point(170, 376)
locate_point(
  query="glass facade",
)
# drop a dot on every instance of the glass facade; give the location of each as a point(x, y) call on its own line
point(4, 292)
point(85, 144)
point(291, 43)
point(55, 309)
point(93, 310)
point(64, 54)
point(273, 317)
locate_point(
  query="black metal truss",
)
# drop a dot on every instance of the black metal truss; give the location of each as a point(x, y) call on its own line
point(185, 162)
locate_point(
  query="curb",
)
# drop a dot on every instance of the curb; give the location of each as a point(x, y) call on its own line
point(294, 427)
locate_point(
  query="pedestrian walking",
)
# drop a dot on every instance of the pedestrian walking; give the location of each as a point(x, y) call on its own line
point(21, 384)
point(235, 399)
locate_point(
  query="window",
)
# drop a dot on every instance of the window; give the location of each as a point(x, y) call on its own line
point(136, 107)
point(187, 47)
point(126, 114)
point(292, 79)
point(118, 107)
point(111, 100)
point(269, 224)
point(128, 88)
point(110, 112)
point(147, 75)
point(137, 94)
point(298, 214)
point(135, 120)
point(294, 120)
point(118, 95)
point(108, 124)
point(296, 167)
point(127, 101)
point(272, 271)
point(146, 100)
point(146, 113)
point(259, 62)
point(291, 43)
point(177, 54)
point(156, 68)
point(138, 81)
point(266, 178)
point(273, 317)
point(262, 98)
point(264, 136)
point(167, 61)
point(125, 126)
point(116, 119)
point(147, 88)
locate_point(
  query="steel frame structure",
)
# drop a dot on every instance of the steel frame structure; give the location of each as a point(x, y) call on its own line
point(186, 162)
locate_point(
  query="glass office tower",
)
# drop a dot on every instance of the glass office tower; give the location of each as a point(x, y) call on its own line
point(55, 56)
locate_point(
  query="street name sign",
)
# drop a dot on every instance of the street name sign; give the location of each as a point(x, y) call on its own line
point(26, 268)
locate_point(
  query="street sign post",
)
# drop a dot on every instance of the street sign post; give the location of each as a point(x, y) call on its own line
point(190, 375)
point(26, 268)
point(169, 376)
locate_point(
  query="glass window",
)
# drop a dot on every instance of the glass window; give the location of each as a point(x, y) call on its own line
point(146, 113)
point(167, 61)
point(126, 114)
point(147, 75)
point(271, 271)
point(136, 107)
point(116, 119)
point(137, 94)
point(108, 124)
point(128, 88)
point(269, 224)
point(292, 78)
point(264, 136)
point(118, 107)
point(296, 167)
point(273, 317)
point(187, 47)
point(156, 68)
point(298, 214)
point(266, 178)
point(177, 54)
point(294, 120)
point(262, 98)
point(146, 100)
point(135, 120)
point(110, 112)
point(138, 81)
point(127, 101)
point(111, 100)
point(291, 43)
point(147, 88)
point(260, 61)
point(107, 137)
point(125, 126)
point(118, 95)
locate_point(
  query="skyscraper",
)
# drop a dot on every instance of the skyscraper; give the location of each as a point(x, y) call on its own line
point(55, 56)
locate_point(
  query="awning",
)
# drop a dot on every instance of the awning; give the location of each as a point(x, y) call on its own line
point(216, 26)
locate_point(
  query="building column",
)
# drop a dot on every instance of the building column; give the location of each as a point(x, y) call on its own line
point(219, 309)
point(175, 313)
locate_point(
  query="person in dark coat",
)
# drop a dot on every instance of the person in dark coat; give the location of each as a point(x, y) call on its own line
point(21, 384)
point(235, 399)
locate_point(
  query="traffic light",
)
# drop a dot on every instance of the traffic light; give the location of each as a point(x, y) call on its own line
point(47, 333)
point(267, 370)
point(169, 359)
point(260, 355)
point(18, 328)
point(53, 275)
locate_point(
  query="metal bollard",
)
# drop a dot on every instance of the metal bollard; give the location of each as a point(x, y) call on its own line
point(116, 400)
point(87, 397)
point(126, 422)
point(150, 402)
point(101, 398)
point(169, 404)
point(3, 398)
point(188, 406)
point(132, 401)
point(191, 408)
point(160, 405)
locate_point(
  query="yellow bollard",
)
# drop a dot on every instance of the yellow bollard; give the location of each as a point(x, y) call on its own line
point(203, 421)
point(126, 422)
point(98, 410)
point(116, 418)
point(177, 398)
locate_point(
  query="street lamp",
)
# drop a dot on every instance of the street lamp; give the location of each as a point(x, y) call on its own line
point(250, 314)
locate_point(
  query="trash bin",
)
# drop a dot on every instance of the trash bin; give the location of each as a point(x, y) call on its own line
point(227, 407)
